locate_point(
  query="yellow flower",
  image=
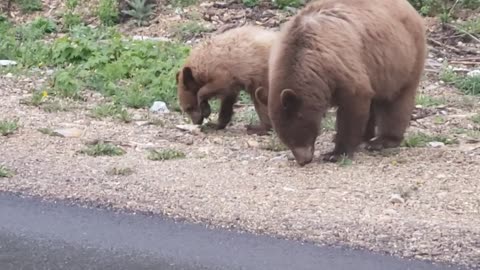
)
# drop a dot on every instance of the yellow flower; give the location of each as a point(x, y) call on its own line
point(44, 94)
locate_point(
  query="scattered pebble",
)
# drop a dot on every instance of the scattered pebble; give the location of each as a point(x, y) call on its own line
point(190, 128)
point(68, 132)
point(253, 144)
point(436, 144)
point(159, 107)
point(396, 198)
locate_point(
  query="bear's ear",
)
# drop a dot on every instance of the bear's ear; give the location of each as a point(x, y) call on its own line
point(188, 79)
point(290, 100)
point(261, 95)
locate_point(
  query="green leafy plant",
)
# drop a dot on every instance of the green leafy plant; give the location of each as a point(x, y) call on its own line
point(140, 11)
point(8, 127)
point(421, 139)
point(28, 6)
point(5, 172)
point(287, 3)
point(166, 154)
point(250, 3)
point(103, 149)
point(108, 12)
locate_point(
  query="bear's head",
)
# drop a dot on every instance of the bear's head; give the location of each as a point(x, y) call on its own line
point(187, 90)
point(295, 123)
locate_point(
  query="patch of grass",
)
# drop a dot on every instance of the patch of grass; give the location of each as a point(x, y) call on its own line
point(471, 27)
point(250, 3)
point(120, 171)
point(439, 120)
point(188, 30)
point(344, 161)
point(447, 74)
point(46, 131)
point(329, 122)
point(28, 6)
point(476, 119)
point(8, 127)
point(469, 85)
point(111, 110)
point(428, 101)
point(5, 172)
point(54, 106)
point(108, 12)
point(165, 154)
point(421, 139)
point(133, 73)
point(274, 144)
point(183, 3)
point(140, 11)
point(102, 149)
point(287, 3)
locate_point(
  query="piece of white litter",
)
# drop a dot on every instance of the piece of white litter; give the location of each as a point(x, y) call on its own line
point(436, 144)
point(7, 63)
point(159, 107)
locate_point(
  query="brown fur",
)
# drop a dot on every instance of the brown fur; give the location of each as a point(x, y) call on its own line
point(221, 67)
point(364, 56)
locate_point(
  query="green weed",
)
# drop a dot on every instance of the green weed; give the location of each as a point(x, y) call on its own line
point(102, 149)
point(166, 154)
point(28, 6)
point(111, 110)
point(344, 161)
point(5, 172)
point(183, 3)
point(428, 101)
point(250, 3)
point(274, 144)
point(120, 171)
point(187, 30)
point(421, 139)
point(287, 3)
point(140, 11)
point(469, 85)
point(108, 12)
point(476, 118)
point(329, 122)
point(8, 127)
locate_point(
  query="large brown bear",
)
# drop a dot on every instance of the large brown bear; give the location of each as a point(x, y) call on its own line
point(364, 56)
point(221, 67)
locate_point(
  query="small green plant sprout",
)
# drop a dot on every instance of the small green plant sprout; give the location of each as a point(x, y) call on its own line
point(421, 139)
point(102, 149)
point(108, 12)
point(344, 161)
point(8, 127)
point(476, 119)
point(29, 6)
point(5, 172)
point(469, 85)
point(250, 3)
point(140, 11)
point(274, 144)
point(120, 171)
point(165, 154)
point(428, 101)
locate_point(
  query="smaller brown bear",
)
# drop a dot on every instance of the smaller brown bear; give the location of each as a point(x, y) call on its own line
point(221, 67)
point(365, 57)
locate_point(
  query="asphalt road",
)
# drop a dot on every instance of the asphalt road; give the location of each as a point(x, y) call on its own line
point(38, 235)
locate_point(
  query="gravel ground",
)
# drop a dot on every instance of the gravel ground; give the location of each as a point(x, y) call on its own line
point(412, 202)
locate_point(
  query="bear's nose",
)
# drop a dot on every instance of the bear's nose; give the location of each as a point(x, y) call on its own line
point(303, 155)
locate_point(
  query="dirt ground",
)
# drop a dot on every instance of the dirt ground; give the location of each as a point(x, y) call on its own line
point(420, 202)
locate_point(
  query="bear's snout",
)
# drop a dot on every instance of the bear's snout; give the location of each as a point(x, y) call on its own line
point(303, 155)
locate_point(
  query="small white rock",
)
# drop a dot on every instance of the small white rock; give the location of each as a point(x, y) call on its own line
point(7, 63)
point(159, 107)
point(189, 128)
point(436, 144)
point(396, 198)
point(474, 73)
point(68, 132)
